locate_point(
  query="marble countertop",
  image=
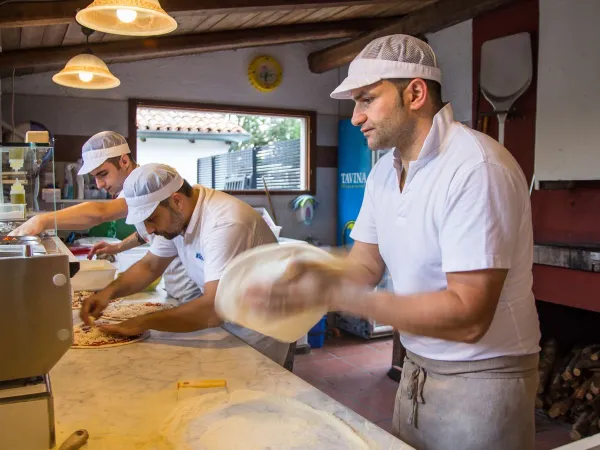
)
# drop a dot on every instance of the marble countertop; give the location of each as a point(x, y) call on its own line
point(121, 395)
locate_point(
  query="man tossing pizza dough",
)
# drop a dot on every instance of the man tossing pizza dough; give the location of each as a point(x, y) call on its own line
point(204, 228)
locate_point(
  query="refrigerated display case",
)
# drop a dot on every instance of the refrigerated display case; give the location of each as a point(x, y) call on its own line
point(355, 161)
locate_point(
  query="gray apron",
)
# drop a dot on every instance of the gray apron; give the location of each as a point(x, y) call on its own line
point(470, 405)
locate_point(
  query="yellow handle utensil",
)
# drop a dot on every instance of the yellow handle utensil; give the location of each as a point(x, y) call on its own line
point(201, 384)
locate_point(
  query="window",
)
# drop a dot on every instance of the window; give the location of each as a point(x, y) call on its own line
point(235, 149)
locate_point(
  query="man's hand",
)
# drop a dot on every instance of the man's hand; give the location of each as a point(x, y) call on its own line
point(103, 249)
point(32, 227)
point(131, 327)
point(93, 306)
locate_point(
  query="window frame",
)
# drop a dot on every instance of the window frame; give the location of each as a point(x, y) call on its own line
point(310, 134)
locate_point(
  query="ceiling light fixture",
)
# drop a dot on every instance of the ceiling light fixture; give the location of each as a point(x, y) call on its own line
point(86, 71)
point(127, 17)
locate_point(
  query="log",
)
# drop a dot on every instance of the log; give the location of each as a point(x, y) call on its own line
point(568, 372)
point(595, 356)
point(584, 364)
point(556, 389)
point(594, 429)
point(595, 386)
point(582, 425)
point(595, 403)
point(582, 390)
point(560, 408)
point(539, 403)
point(547, 358)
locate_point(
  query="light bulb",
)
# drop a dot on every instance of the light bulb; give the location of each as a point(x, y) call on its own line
point(86, 77)
point(126, 15)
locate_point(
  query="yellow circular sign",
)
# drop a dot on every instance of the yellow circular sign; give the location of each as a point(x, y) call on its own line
point(265, 73)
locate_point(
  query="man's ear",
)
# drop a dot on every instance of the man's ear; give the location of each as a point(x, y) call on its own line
point(177, 201)
point(124, 162)
point(417, 93)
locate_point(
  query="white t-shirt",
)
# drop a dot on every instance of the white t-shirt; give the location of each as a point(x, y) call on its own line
point(221, 227)
point(465, 206)
point(177, 282)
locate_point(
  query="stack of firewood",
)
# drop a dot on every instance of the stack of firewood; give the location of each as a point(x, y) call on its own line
point(570, 387)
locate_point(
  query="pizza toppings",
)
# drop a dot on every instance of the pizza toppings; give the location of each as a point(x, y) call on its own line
point(79, 297)
point(85, 336)
point(124, 311)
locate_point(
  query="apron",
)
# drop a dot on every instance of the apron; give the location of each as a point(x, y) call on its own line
point(467, 405)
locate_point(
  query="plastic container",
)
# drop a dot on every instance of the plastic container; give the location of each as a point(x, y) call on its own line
point(129, 257)
point(17, 193)
point(316, 335)
point(9, 211)
point(93, 275)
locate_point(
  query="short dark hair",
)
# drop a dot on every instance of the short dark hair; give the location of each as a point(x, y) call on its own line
point(115, 160)
point(185, 189)
point(433, 87)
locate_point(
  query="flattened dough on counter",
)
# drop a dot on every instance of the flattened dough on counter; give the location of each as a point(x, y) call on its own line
point(256, 421)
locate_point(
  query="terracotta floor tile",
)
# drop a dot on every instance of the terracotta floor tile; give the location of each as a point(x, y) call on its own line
point(354, 349)
point(371, 360)
point(326, 367)
point(383, 344)
point(380, 400)
point(354, 383)
point(316, 354)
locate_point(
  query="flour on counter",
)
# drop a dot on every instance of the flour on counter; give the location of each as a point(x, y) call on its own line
point(256, 421)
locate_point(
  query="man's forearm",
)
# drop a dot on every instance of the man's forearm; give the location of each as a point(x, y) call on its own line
point(440, 315)
point(192, 316)
point(133, 280)
point(132, 241)
point(83, 216)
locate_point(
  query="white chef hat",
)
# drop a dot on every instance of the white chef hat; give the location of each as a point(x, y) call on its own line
point(100, 147)
point(146, 187)
point(394, 56)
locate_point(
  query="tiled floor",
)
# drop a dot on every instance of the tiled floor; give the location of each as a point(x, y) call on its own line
point(353, 371)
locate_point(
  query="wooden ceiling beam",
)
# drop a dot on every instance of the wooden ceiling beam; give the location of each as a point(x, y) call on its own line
point(177, 45)
point(21, 14)
point(428, 19)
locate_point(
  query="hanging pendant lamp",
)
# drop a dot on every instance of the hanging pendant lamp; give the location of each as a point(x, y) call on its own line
point(86, 71)
point(127, 17)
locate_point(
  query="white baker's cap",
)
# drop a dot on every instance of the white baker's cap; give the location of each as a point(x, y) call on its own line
point(146, 187)
point(395, 56)
point(100, 147)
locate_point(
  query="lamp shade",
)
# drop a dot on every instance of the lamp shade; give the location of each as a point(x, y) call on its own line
point(127, 17)
point(86, 71)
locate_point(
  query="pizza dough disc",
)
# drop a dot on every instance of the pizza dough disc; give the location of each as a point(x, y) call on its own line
point(267, 263)
point(256, 421)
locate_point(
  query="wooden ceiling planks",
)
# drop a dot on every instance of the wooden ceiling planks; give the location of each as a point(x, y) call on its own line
point(233, 21)
point(31, 37)
point(11, 39)
point(188, 22)
point(54, 35)
point(209, 22)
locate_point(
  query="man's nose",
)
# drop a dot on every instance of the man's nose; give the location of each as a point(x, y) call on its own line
point(150, 229)
point(358, 118)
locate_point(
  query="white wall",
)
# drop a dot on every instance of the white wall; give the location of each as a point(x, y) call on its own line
point(179, 153)
point(568, 98)
point(210, 78)
point(453, 47)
